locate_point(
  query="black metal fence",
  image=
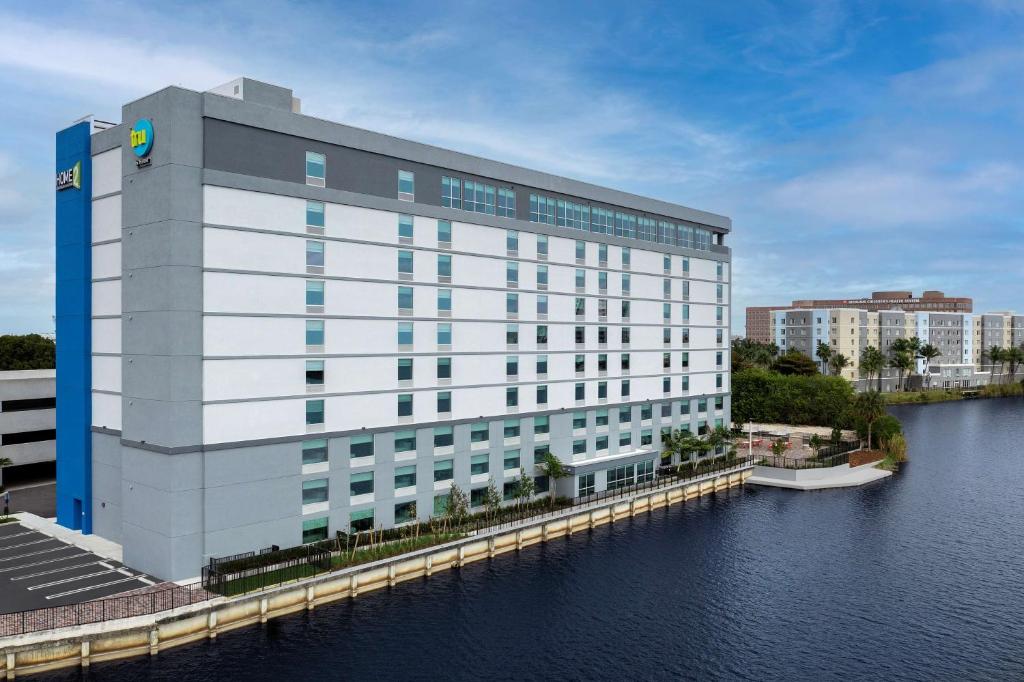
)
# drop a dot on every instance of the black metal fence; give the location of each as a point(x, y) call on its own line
point(828, 456)
point(110, 608)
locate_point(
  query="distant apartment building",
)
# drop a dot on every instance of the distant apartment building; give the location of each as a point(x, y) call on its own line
point(760, 320)
point(28, 416)
point(963, 340)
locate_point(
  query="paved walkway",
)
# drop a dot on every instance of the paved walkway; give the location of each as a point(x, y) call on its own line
point(90, 543)
point(835, 477)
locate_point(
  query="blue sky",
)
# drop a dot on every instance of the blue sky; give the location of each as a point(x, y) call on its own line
point(856, 145)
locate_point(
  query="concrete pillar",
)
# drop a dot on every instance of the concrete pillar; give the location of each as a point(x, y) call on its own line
point(85, 653)
point(211, 625)
point(430, 565)
point(353, 584)
point(264, 604)
point(154, 642)
point(519, 540)
point(310, 597)
point(490, 547)
point(10, 666)
point(461, 560)
point(391, 575)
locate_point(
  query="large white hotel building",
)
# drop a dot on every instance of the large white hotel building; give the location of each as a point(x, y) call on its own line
point(274, 327)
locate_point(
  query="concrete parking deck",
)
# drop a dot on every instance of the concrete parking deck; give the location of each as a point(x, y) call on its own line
point(38, 570)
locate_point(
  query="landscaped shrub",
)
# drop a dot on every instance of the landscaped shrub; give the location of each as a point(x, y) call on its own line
point(883, 428)
point(767, 397)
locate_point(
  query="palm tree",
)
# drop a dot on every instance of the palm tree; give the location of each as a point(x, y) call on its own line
point(928, 352)
point(837, 363)
point(903, 362)
point(872, 362)
point(870, 407)
point(824, 353)
point(552, 467)
point(1014, 357)
point(719, 437)
point(995, 354)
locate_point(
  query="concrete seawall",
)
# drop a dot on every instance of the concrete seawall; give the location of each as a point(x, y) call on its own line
point(148, 635)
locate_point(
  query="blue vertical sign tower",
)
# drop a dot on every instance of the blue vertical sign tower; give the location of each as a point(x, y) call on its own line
point(74, 327)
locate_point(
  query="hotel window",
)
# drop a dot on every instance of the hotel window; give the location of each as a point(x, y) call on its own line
point(580, 391)
point(360, 521)
point(512, 397)
point(601, 443)
point(580, 335)
point(572, 215)
point(686, 312)
point(506, 202)
point(702, 405)
point(585, 484)
point(602, 255)
point(684, 407)
point(314, 451)
point(443, 436)
point(581, 278)
point(581, 253)
point(512, 241)
point(718, 381)
point(405, 227)
point(581, 306)
point(315, 255)
point(625, 284)
point(511, 428)
point(625, 439)
point(626, 335)
point(666, 410)
point(512, 334)
point(542, 365)
point(647, 230)
point(361, 446)
point(666, 335)
point(542, 305)
point(602, 362)
point(444, 470)
point(405, 262)
point(686, 290)
point(542, 336)
point(579, 420)
point(511, 460)
point(602, 308)
point(666, 311)
point(666, 385)
point(624, 362)
point(479, 433)
point(602, 335)
point(512, 304)
point(581, 363)
point(512, 366)
point(602, 281)
point(646, 437)
point(314, 530)
point(451, 192)
point(315, 491)
point(360, 484)
point(685, 383)
point(315, 214)
point(444, 266)
point(579, 447)
point(480, 464)
point(444, 232)
point(314, 372)
point(314, 412)
point(542, 394)
point(405, 511)
point(316, 169)
point(686, 360)
point(512, 273)
point(626, 256)
point(718, 359)
point(542, 276)
point(602, 390)
point(719, 336)
point(405, 333)
point(444, 334)
point(314, 332)
point(646, 412)
point(405, 404)
point(405, 441)
point(542, 209)
point(719, 402)
point(718, 315)
point(444, 368)
point(478, 197)
point(601, 418)
point(666, 360)
point(666, 288)
point(602, 221)
point(542, 245)
point(405, 298)
point(686, 336)
point(625, 225)
point(444, 402)
point(314, 292)
point(541, 425)
point(719, 293)
point(719, 271)
point(444, 300)
point(686, 266)
point(406, 185)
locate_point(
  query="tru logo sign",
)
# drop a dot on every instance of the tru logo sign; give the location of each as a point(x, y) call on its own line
point(142, 139)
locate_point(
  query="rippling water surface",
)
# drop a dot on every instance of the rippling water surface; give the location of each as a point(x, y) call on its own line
point(917, 577)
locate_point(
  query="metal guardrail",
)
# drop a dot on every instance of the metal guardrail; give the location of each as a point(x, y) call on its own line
point(828, 456)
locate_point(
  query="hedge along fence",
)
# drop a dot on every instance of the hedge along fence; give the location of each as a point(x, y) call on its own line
point(766, 397)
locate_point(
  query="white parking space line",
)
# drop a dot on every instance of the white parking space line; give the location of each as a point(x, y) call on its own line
point(69, 580)
point(48, 561)
point(54, 570)
point(45, 551)
point(148, 582)
point(17, 535)
point(24, 544)
point(91, 587)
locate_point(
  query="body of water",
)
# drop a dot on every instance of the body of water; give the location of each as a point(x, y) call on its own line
point(916, 577)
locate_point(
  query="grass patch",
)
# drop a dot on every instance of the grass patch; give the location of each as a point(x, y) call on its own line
point(935, 395)
point(7, 519)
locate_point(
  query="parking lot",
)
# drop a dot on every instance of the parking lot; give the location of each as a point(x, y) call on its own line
point(37, 571)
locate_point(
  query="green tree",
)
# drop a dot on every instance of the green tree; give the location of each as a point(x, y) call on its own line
point(27, 351)
point(719, 437)
point(524, 488)
point(795, 362)
point(903, 362)
point(492, 499)
point(928, 352)
point(872, 362)
point(747, 353)
point(996, 356)
point(837, 362)
point(457, 509)
point(1014, 357)
point(869, 407)
point(770, 398)
point(816, 442)
point(779, 447)
point(553, 468)
point(824, 353)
